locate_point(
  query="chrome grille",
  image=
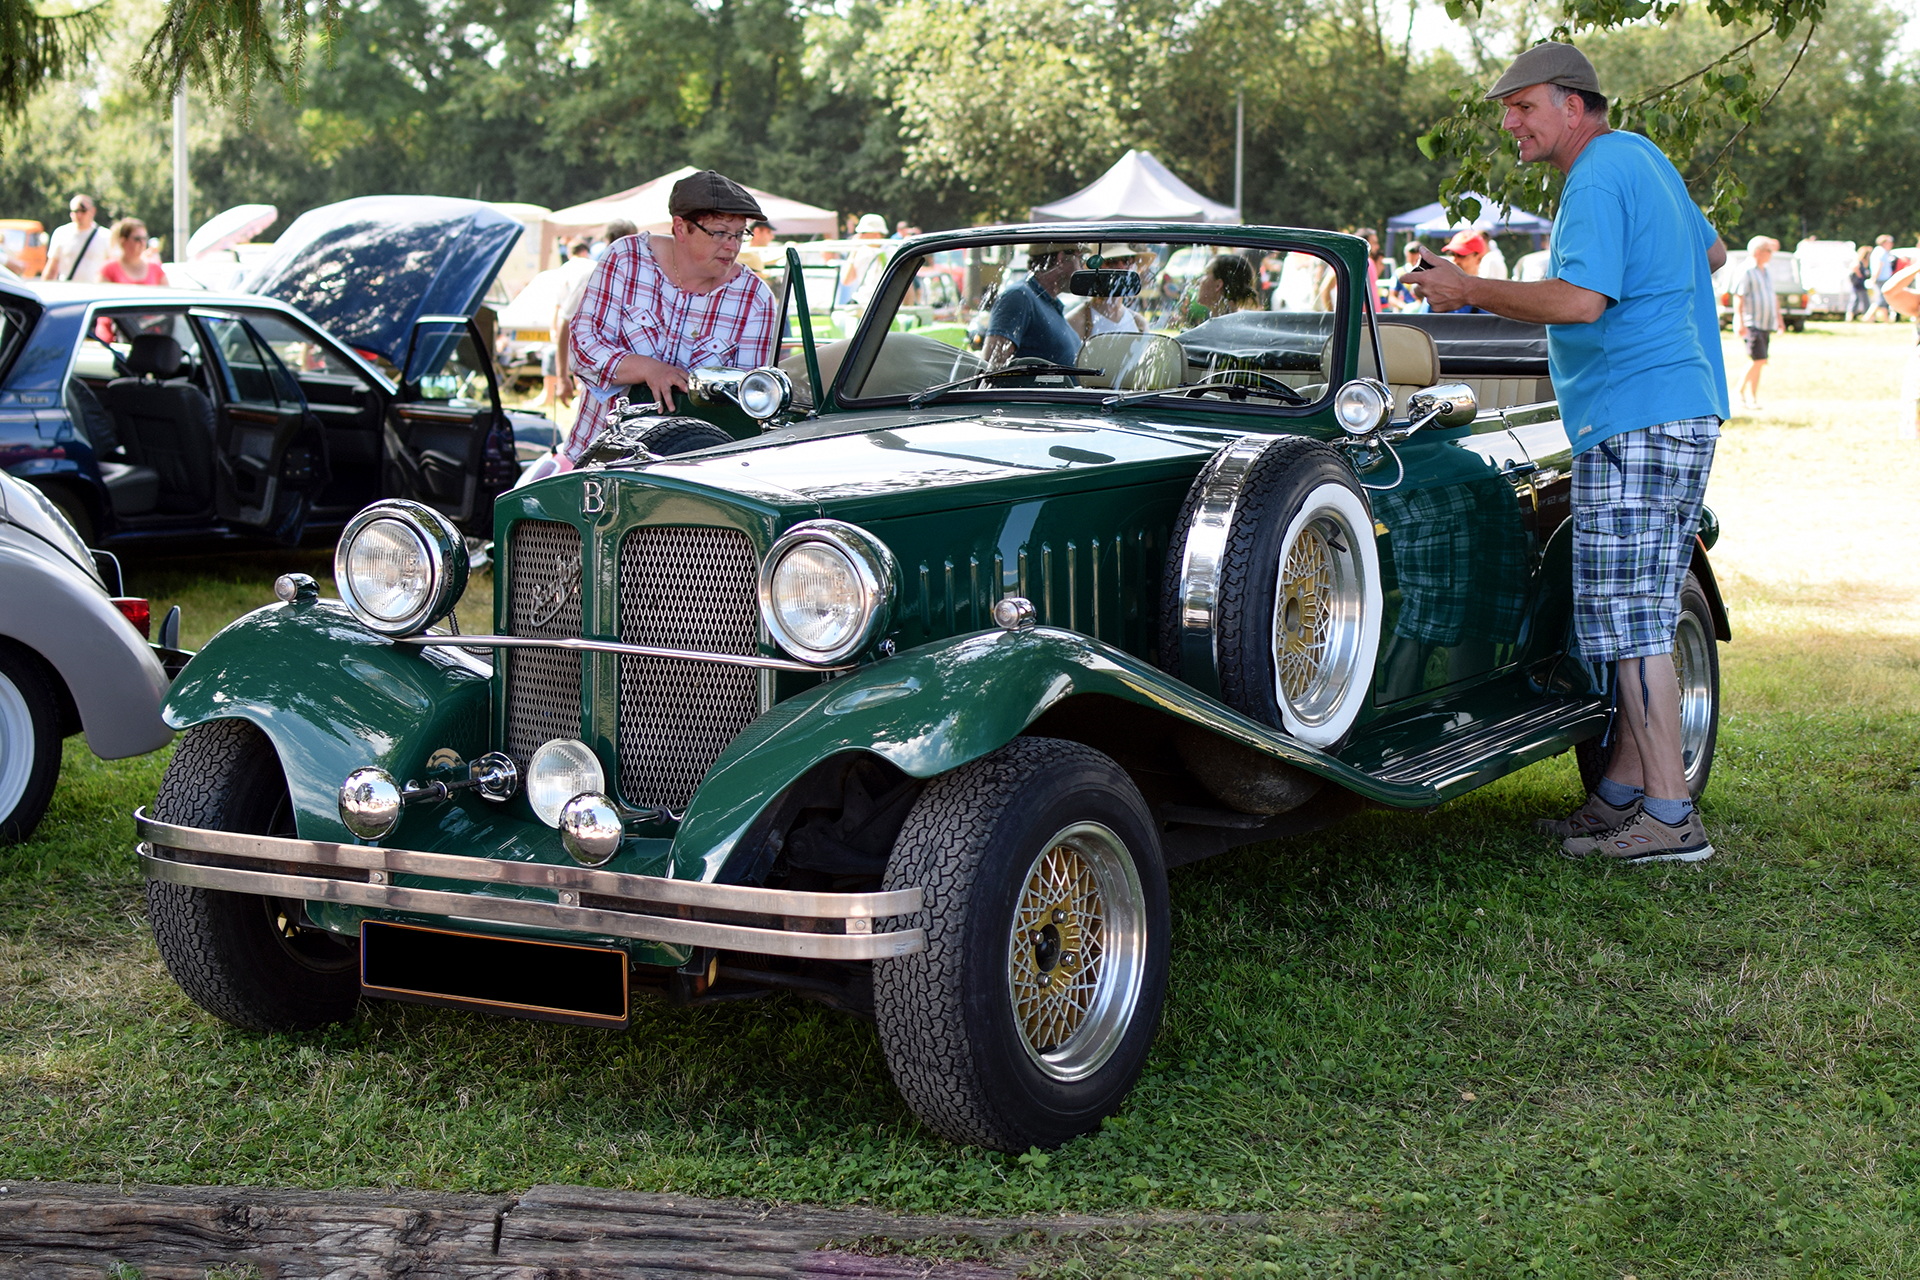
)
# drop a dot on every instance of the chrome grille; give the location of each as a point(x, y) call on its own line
point(684, 589)
point(543, 685)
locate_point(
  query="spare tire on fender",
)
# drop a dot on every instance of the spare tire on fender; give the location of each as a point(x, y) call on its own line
point(1272, 596)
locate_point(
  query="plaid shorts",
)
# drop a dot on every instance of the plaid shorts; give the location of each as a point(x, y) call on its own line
point(1636, 505)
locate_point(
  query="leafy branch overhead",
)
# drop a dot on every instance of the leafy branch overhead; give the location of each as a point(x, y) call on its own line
point(225, 47)
point(42, 41)
point(1722, 97)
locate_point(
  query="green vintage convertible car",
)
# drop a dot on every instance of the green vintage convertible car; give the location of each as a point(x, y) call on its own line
point(908, 698)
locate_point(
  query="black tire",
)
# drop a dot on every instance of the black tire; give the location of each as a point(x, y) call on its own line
point(29, 742)
point(975, 1063)
point(245, 959)
point(1696, 657)
point(1300, 496)
point(74, 508)
point(670, 436)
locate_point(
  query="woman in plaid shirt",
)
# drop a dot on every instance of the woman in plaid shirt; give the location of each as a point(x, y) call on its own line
point(656, 308)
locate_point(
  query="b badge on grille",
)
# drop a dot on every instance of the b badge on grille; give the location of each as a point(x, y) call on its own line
point(549, 599)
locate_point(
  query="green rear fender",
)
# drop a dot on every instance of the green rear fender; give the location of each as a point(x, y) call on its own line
point(932, 709)
point(333, 696)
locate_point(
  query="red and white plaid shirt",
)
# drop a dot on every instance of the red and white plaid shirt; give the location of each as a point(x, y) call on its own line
point(631, 307)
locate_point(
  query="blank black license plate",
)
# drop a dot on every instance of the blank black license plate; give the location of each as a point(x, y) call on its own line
point(550, 981)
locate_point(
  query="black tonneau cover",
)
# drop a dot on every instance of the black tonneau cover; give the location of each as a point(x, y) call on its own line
point(1481, 345)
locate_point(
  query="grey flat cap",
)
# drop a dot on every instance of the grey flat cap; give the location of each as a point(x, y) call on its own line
point(1548, 63)
point(699, 192)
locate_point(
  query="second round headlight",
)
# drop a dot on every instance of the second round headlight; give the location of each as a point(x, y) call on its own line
point(826, 588)
point(400, 566)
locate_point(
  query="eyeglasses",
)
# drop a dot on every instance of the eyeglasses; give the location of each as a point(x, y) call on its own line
point(137, 239)
point(724, 237)
point(79, 208)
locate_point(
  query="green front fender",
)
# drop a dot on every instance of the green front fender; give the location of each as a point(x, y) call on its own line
point(933, 709)
point(332, 696)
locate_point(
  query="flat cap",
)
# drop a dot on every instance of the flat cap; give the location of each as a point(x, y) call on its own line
point(709, 190)
point(1548, 63)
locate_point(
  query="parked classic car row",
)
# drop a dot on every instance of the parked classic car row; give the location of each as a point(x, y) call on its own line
point(908, 704)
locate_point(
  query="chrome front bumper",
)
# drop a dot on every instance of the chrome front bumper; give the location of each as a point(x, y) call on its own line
point(811, 926)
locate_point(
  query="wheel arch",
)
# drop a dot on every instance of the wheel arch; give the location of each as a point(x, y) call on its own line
point(332, 696)
point(1703, 570)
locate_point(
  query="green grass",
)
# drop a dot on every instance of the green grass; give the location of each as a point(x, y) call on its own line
point(1417, 1044)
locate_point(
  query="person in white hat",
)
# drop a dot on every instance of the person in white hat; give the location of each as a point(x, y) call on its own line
point(861, 271)
point(1633, 344)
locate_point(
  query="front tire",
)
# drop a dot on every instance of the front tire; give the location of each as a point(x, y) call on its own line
point(1696, 664)
point(1029, 1016)
point(29, 743)
point(248, 960)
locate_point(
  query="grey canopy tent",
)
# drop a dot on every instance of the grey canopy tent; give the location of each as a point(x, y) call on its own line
point(1432, 219)
point(1137, 187)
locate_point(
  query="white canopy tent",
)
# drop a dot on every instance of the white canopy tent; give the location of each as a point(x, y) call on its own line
point(1137, 187)
point(646, 207)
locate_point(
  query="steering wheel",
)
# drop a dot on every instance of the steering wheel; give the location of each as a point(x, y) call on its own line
point(1231, 381)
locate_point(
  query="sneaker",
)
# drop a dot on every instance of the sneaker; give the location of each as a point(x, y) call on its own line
point(1590, 819)
point(1643, 838)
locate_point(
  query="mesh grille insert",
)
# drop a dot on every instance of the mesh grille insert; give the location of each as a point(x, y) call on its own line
point(543, 685)
point(684, 589)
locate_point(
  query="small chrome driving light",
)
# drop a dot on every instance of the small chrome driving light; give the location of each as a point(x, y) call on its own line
point(766, 393)
point(590, 828)
point(1363, 406)
point(370, 803)
point(558, 772)
point(1014, 613)
point(827, 589)
point(400, 566)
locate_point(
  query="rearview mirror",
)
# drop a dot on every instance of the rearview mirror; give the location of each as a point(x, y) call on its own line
point(1104, 284)
point(1449, 404)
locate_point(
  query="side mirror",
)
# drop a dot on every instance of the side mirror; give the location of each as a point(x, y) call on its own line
point(1449, 404)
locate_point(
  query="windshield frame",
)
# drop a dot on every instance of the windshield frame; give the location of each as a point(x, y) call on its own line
point(1346, 254)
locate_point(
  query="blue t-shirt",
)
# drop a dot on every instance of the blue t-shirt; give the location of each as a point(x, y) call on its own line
point(1035, 323)
point(1628, 229)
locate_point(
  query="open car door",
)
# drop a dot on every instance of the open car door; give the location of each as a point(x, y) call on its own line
point(270, 453)
point(448, 442)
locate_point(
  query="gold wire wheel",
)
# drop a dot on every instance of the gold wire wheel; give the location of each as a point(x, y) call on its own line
point(1317, 613)
point(1076, 951)
point(1300, 631)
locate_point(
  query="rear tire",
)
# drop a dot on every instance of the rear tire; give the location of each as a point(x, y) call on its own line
point(1696, 663)
point(1029, 1015)
point(248, 960)
point(29, 743)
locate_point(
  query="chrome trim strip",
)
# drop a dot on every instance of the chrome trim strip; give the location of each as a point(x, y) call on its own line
point(544, 915)
point(450, 866)
point(1206, 546)
point(615, 646)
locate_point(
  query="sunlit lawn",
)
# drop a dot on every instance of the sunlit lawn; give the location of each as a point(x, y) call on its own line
point(1417, 1042)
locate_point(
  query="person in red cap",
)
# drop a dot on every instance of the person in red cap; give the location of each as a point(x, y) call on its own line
point(656, 308)
point(1633, 344)
point(1467, 250)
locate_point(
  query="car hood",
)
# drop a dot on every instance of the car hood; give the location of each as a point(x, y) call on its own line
point(366, 269)
point(920, 462)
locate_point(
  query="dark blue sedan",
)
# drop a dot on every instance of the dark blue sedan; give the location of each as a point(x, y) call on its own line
point(351, 369)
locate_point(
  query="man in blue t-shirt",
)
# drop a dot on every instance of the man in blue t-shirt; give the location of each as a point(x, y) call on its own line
point(1633, 344)
point(1028, 319)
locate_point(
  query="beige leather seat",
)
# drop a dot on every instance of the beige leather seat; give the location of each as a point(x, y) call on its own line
point(1133, 361)
point(1506, 393)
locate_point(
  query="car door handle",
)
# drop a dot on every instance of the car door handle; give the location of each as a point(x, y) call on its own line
point(1519, 468)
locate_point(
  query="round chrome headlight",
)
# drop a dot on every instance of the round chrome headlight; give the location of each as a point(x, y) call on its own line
point(826, 589)
point(558, 772)
point(1363, 405)
point(765, 393)
point(400, 566)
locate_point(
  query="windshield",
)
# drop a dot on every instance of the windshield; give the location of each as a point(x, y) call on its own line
point(1220, 323)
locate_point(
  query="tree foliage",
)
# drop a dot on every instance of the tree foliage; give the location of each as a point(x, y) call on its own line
point(41, 42)
point(1713, 102)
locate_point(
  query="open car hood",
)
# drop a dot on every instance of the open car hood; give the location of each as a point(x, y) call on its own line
point(366, 269)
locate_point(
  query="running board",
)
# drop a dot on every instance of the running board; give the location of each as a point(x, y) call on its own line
point(1474, 756)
